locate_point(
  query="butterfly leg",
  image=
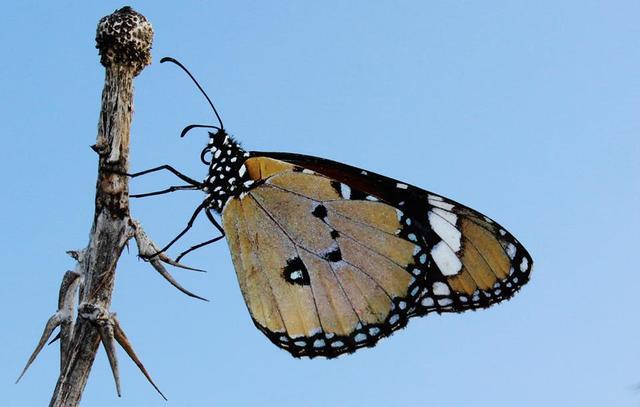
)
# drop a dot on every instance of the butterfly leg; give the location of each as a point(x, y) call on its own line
point(165, 191)
point(213, 220)
point(192, 248)
point(215, 239)
point(169, 168)
point(185, 230)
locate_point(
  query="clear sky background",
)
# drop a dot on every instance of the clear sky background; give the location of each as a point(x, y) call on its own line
point(526, 111)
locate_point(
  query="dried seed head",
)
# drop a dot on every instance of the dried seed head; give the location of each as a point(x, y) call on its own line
point(125, 38)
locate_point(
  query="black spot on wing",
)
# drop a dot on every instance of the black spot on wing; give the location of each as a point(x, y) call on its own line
point(320, 211)
point(295, 272)
point(334, 255)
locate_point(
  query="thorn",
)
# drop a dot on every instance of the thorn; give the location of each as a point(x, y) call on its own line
point(147, 250)
point(76, 254)
point(99, 148)
point(164, 273)
point(174, 263)
point(105, 329)
point(68, 289)
point(54, 339)
point(51, 324)
point(122, 339)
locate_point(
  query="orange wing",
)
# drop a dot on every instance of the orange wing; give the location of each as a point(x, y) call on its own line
point(326, 269)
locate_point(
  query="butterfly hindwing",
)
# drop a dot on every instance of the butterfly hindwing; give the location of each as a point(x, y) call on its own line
point(321, 275)
point(331, 258)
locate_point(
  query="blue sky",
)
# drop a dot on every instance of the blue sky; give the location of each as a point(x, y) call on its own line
point(526, 111)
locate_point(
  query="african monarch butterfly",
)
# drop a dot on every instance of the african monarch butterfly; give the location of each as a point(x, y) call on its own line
point(331, 258)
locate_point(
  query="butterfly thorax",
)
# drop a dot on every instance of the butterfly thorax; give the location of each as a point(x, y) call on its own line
point(227, 176)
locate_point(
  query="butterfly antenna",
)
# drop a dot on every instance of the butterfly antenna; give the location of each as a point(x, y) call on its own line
point(169, 59)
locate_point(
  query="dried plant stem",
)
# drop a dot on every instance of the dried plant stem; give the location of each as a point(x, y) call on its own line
point(124, 39)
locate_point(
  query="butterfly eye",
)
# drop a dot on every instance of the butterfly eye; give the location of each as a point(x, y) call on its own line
point(203, 155)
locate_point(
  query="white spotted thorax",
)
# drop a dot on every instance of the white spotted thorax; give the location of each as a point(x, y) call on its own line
point(228, 175)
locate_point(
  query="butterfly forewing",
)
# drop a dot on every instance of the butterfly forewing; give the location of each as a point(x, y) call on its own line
point(494, 265)
point(331, 258)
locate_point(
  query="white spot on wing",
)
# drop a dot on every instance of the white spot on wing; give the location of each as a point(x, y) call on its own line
point(440, 288)
point(448, 216)
point(427, 302)
point(400, 185)
point(439, 203)
point(345, 191)
point(242, 170)
point(446, 231)
point(448, 263)
point(511, 250)
point(445, 301)
point(524, 265)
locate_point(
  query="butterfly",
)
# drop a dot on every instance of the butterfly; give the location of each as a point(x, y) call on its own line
point(331, 258)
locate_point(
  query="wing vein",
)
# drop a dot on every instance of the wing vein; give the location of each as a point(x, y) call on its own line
point(336, 212)
point(268, 282)
point(476, 221)
point(295, 246)
point(474, 247)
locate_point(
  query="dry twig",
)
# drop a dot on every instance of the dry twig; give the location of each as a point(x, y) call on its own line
point(124, 41)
